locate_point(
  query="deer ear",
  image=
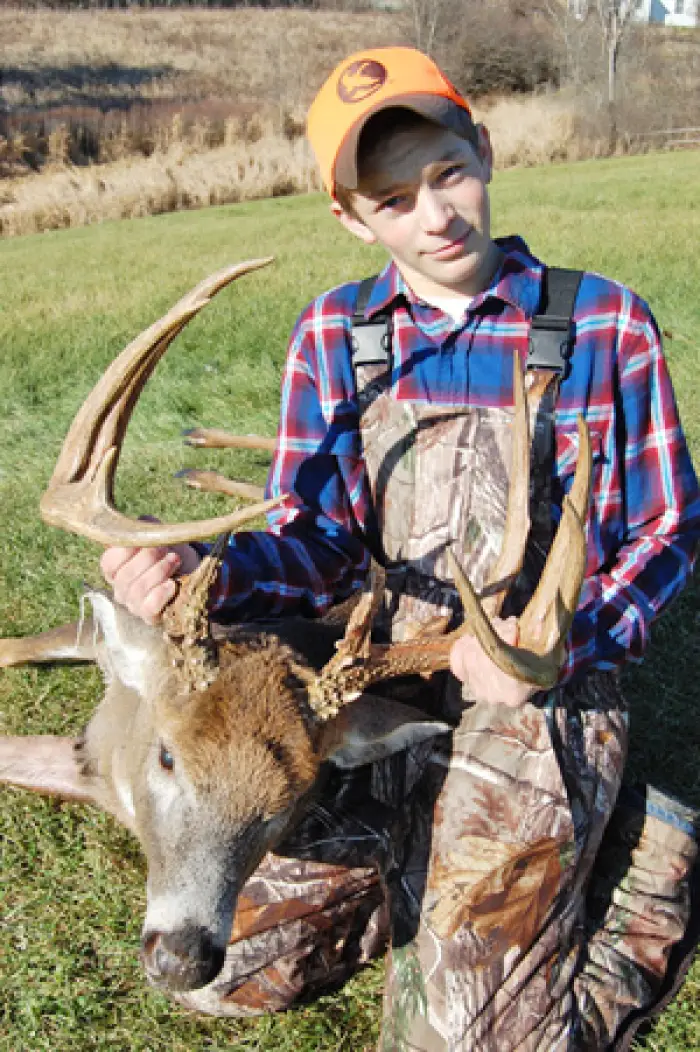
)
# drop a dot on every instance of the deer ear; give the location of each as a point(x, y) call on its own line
point(371, 728)
point(128, 649)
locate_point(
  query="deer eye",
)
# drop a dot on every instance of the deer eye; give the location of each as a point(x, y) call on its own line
point(165, 759)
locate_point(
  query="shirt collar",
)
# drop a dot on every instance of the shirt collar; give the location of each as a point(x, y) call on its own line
point(517, 281)
point(387, 290)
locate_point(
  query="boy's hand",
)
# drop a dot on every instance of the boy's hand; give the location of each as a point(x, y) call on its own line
point(486, 682)
point(142, 578)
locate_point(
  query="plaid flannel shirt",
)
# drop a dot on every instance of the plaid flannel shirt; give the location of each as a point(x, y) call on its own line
point(645, 512)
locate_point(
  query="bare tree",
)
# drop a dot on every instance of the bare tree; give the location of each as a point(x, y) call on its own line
point(571, 26)
point(428, 18)
point(615, 16)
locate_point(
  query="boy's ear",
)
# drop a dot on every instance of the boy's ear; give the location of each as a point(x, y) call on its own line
point(485, 151)
point(352, 223)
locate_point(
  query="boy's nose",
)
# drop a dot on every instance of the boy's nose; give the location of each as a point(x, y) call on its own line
point(435, 212)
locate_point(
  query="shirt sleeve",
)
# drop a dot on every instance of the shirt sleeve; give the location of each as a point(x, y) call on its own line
point(659, 510)
point(313, 552)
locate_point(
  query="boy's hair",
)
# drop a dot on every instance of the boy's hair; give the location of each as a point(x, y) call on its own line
point(374, 137)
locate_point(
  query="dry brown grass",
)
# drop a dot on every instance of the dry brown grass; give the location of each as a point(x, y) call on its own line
point(530, 130)
point(524, 131)
point(273, 59)
point(165, 182)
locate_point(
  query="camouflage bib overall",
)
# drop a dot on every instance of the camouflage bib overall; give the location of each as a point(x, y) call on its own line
point(475, 852)
point(492, 946)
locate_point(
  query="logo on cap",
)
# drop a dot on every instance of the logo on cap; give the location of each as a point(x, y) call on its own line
point(360, 80)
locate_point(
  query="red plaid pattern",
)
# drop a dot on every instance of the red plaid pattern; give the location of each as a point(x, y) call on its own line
point(645, 516)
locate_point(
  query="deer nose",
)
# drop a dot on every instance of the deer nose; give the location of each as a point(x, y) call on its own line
point(181, 960)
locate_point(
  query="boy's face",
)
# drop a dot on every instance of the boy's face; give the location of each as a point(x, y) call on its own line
point(423, 196)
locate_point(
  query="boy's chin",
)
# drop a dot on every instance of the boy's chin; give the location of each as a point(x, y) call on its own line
point(466, 275)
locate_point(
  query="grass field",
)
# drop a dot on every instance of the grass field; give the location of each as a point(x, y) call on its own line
point(71, 882)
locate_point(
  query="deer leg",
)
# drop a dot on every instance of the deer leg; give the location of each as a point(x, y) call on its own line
point(72, 642)
point(214, 438)
point(213, 482)
point(46, 763)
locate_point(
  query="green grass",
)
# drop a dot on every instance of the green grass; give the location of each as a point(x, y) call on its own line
point(71, 881)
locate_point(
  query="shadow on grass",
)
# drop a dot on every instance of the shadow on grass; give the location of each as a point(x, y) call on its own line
point(80, 85)
point(662, 694)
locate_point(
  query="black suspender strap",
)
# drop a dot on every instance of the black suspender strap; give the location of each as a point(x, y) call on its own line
point(552, 335)
point(551, 340)
point(363, 294)
point(371, 338)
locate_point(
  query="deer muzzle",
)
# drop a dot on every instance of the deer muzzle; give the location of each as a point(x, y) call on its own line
point(186, 959)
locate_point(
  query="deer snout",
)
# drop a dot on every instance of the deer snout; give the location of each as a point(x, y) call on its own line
point(181, 960)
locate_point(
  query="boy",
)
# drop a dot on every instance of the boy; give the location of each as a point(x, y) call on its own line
point(510, 925)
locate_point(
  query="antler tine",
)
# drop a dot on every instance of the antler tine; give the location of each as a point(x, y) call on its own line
point(334, 685)
point(517, 524)
point(186, 623)
point(546, 621)
point(79, 496)
point(358, 663)
point(345, 677)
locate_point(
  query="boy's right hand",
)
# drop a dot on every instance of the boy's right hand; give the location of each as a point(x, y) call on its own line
point(142, 578)
point(486, 682)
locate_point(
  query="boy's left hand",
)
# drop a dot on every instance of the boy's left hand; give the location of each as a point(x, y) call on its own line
point(486, 682)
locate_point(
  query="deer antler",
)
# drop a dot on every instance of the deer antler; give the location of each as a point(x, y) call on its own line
point(186, 623)
point(358, 663)
point(546, 620)
point(80, 494)
point(517, 523)
point(213, 481)
point(542, 627)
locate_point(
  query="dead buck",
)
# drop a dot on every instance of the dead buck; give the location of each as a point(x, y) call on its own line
point(209, 742)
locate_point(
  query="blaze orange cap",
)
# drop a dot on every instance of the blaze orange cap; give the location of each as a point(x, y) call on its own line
point(366, 83)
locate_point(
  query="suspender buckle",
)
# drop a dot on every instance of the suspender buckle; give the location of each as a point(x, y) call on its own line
point(550, 344)
point(371, 341)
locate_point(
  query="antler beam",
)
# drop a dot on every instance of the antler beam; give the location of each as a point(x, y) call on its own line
point(79, 497)
point(546, 620)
